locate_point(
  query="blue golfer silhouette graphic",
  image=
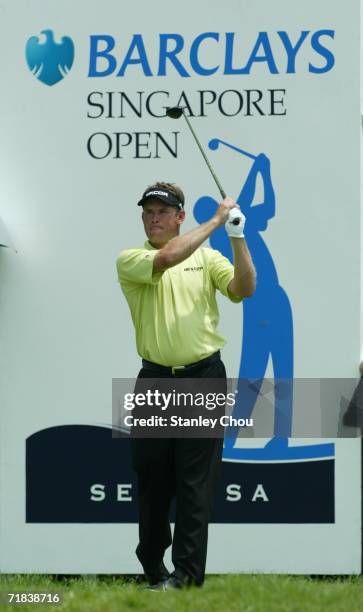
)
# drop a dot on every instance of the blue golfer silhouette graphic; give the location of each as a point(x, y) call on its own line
point(267, 320)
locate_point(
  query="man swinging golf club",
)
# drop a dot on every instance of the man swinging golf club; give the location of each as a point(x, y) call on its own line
point(170, 285)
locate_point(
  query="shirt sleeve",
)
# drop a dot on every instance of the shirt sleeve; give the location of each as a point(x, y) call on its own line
point(136, 266)
point(221, 271)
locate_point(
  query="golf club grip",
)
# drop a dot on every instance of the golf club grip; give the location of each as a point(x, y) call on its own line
point(235, 221)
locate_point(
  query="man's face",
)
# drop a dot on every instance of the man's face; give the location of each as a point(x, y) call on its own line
point(161, 221)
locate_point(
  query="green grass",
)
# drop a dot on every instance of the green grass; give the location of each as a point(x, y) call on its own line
point(248, 593)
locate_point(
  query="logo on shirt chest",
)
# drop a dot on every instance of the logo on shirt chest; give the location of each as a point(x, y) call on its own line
point(193, 269)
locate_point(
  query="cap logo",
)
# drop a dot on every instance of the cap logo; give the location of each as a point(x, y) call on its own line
point(162, 193)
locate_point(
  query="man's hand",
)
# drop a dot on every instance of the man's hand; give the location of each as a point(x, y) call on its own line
point(223, 210)
point(235, 230)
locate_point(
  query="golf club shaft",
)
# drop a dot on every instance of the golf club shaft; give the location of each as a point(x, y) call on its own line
point(221, 190)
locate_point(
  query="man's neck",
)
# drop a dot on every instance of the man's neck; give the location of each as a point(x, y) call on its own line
point(158, 246)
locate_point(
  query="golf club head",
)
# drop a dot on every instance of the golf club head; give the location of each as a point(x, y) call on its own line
point(174, 112)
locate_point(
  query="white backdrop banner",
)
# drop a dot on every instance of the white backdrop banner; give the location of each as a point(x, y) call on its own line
point(272, 89)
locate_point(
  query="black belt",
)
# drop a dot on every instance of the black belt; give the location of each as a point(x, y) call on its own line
point(173, 370)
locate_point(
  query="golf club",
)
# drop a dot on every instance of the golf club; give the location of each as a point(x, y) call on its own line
point(175, 112)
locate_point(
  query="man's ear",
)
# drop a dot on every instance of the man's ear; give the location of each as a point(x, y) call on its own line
point(180, 216)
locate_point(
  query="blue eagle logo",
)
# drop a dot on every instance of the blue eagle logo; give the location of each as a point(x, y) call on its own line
point(47, 59)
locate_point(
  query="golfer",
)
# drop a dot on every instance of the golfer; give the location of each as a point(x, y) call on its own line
point(170, 285)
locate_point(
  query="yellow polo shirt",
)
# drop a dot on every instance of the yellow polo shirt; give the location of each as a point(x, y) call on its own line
point(175, 312)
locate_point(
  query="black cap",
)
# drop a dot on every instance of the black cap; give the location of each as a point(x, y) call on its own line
point(161, 194)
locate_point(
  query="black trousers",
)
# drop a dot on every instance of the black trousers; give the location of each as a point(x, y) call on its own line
point(184, 468)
